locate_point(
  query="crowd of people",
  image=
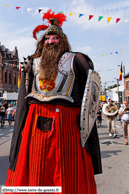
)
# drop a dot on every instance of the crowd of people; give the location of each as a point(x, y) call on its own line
point(7, 111)
point(122, 113)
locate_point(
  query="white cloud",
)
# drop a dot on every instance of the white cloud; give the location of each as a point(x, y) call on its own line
point(84, 49)
point(26, 46)
point(20, 38)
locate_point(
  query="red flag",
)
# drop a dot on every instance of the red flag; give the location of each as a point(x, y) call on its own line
point(90, 16)
point(120, 76)
point(19, 77)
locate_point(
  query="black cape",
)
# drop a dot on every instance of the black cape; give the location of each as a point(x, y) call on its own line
point(92, 144)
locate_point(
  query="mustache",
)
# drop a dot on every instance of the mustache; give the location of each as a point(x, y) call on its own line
point(52, 46)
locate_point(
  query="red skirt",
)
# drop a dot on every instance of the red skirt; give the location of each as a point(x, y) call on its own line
point(53, 158)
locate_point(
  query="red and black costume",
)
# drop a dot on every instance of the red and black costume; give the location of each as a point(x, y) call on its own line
point(46, 148)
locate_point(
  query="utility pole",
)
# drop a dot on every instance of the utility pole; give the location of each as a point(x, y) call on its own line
point(117, 87)
point(123, 68)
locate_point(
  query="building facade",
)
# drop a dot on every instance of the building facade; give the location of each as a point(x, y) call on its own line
point(9, 70)
point(126, 80)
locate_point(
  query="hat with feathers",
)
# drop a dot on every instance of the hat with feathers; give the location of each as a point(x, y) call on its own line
point(56, 21)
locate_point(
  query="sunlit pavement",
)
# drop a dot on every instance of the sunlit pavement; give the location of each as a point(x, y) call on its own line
point(115, 162)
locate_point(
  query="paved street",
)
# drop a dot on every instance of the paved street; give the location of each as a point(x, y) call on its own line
point(115, 160)
point(5, 141)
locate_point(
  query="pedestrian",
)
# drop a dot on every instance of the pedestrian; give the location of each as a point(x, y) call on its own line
point(111, 118)
point(124, 114)
point(9, 114)
point(99, 117)
point(2, 114)
point(14, 111)
point(46, 149)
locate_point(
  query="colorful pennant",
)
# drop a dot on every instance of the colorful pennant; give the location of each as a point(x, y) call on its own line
point(127, 20)
point(29, 9)
point(80, 15)
point(90, 16)
point(117, 20)
point(39, 10)
point(112, 53)
point(100, 17)
point(108, 19)
point(6, 5)
point(70, 13)
point(18, 8)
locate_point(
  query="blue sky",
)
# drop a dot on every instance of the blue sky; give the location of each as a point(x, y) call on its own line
point(91, 37)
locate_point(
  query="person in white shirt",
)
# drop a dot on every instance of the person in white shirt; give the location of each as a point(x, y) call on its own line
point(9, 114)
point(124, 113)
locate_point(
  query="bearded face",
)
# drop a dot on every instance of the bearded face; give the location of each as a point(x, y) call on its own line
point(51, 53)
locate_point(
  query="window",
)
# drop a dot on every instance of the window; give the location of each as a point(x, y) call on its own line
point(9, 77)
point(15, 79)
point(5, 76)
point(128, 85)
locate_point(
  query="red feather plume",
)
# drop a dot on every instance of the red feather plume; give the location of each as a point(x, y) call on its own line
point(39, 28)
point(60, 16)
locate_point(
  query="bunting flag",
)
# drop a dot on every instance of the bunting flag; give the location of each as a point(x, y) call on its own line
point(19, 77)
point(39, 10)
point(70, 13)
point(29, 9)
point(108, 19)
point(80, 15)
point(60, 11)
point(102, 55)
point(127, 20)
point(18, 8)
point(121, 51)
point(120, 76)
point(117, 20)
point(116, 52)
point(90, 16)
point(100, 17)
point(6, 5)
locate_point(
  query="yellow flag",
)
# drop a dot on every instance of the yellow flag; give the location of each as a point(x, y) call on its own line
point(6, 5)
point(121, 51)
point(102, 55)
point(108, 19)
point(70, 13)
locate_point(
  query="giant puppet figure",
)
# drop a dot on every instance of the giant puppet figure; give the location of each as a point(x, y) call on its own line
point(46, 148)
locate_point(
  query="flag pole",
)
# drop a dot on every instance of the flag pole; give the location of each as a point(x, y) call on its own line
point(124, 82)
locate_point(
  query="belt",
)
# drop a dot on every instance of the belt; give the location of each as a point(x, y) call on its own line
point(126, 121)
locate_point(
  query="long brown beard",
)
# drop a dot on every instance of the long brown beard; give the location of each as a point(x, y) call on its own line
point(49, 61)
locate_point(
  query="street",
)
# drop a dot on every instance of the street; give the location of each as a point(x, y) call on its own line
point(114, 154)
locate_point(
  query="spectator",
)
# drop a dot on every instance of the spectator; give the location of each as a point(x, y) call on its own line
point(14, 111)
point(99, 117)
point(2, 114)
point(9, 114)
point(125, 121)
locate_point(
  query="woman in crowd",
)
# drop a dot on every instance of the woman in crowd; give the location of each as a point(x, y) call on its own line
point(9, 114)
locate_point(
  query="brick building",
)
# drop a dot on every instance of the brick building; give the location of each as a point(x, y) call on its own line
point(126, 80)
point(8, 73)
